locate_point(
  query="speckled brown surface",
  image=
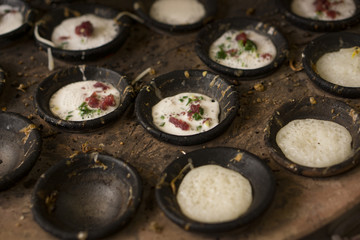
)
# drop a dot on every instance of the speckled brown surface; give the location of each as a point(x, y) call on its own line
point(301, 205)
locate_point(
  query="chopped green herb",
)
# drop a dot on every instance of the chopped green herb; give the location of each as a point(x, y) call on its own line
point(250, 46)
point(197, 116)
point(201, 111)
point(63, 44)
point(189, 101)
point(221, 54)
point(68, 117)
point(85, 110)
point(181, 100)
point(163, 124)
point(162, 117)
point(228, 38)
point(198, 128)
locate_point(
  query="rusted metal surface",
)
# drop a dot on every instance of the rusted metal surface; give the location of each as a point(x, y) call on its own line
point(301, 205)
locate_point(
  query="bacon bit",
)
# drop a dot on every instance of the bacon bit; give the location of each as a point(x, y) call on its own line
point(85, 29)
point(241, 37)
point(325, 6)
point(194, 109)
point(62, 38)
point(179, 123)
point(93, 101)
point(101, 85)
point(266, 56)
point(331, 14)
point(232, 52)
point(109, 100)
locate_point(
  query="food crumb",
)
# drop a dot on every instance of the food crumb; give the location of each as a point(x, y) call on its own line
point(250, 11)
point(82, 235)
point(259, 87)
point(312, 100)
point(154, 226)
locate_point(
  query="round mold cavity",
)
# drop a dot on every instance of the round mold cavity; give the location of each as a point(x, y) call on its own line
point(62, 78)
point(28, 16)
point(211, 32)
point(318, 25)
point(53, 18)
point(142, 8)
point(176, 82)
point(89, 196)
point(321, 108)
point(330, 42)
point(20, 146)
point(248, 165)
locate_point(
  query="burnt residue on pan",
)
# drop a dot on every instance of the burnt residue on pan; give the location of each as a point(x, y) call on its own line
point(176, 82)
point(318, 25)
point(46, 25)
point(321, 108)
point(88, 196)
point(330, 42)
point(2, 80)
point(142, 8)
point(64, 77)
point(20, 146)
point(213, 31)
point(248, 165)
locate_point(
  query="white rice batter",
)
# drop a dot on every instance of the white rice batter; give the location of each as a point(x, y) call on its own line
point(214, 194)
point(174, 114)
point(64, 35)
point(10, 18)
point(69, 102)
point(229, 52)
point(177, 12)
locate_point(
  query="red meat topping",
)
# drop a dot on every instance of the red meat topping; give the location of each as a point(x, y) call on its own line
point(85, 29)
point(101, 85)
point(193, 109)
point(107, 101)
point(266, 55)
point(179, 123)
point(93, 101)
point(241, 37)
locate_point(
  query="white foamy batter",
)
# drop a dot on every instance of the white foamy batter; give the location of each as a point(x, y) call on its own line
point(10, 18)
point(315, 143)
point(341, 67)
point(69, 102)
point(177, 12)
point(228, 51)
point(306, 8)
point(214, 194)
point(179, 107)
point(64, 35)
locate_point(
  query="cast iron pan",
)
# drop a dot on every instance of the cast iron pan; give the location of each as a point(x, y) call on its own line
point(62, 78)
point(321, 108)
point(318, 25)
point(142, 8)
point(86, 197)
point(213, 31)
point(20, 146)
point(2, 80)
point(250, 166)
point(176, 82)
point(330, 42)
point(46, 25)
point(28, 16)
